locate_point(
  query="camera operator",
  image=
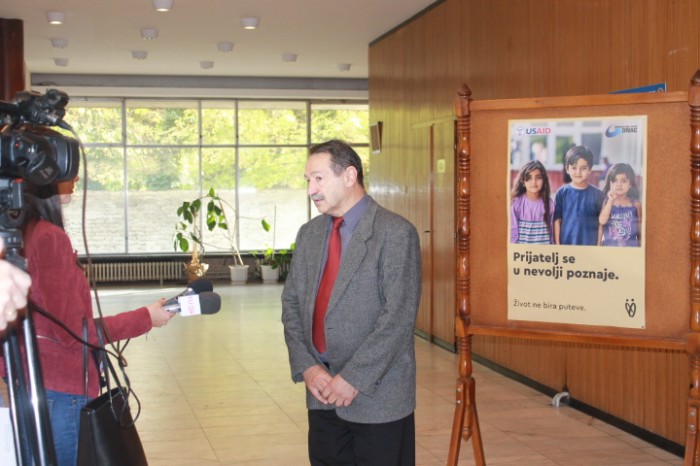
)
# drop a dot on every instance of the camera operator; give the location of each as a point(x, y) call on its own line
point(14, 286)
point(60, 287)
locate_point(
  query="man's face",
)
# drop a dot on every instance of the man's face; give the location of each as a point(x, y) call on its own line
point(326, 189)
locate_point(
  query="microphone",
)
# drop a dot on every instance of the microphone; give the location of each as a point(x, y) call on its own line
point(206, 302)
point(197, 286)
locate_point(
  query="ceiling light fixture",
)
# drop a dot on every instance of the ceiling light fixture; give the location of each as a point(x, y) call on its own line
point(139, 54)
point(163, 5)
point(206, 64)
point(61, 61)
point(224, 46)
point(149, 33)
point(250, 23)
point(343, 66)
point(289, 57)
point(59, 43)
point(56, 17)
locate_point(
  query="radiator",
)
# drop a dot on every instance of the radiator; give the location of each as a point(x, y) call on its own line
point(136, 271)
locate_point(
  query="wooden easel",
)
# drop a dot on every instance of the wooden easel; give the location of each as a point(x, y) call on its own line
point(663, 331)
point(692, 454)
point(466, 421)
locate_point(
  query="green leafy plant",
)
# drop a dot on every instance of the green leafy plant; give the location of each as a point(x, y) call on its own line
point(188, 232)
point(270, 256)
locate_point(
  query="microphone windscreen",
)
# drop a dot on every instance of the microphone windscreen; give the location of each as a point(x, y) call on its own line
point(209, 302)
point(201, 285)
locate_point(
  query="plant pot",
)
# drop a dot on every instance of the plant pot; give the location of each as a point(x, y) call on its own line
point(268, 274)
point(239, 274)
point(196, 270)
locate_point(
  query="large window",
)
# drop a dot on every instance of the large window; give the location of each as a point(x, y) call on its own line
point(145, 157)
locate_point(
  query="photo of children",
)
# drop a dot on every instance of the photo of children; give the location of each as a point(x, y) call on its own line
point(569, 173)
point(531, 206)
point(621, 216)
point(575, 203)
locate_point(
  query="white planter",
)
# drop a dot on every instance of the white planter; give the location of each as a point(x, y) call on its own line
point(269, 275)
point(239, 274)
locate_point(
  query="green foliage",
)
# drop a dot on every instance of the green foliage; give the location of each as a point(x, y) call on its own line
point(269, 168)
point(187, 228)
point(348, 124)
point(281, 126)
point(270, 256)
point(163, 144)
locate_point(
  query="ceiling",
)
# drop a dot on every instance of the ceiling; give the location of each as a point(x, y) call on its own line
point(101, 35)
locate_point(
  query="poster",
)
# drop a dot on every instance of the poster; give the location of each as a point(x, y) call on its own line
point(576, 214)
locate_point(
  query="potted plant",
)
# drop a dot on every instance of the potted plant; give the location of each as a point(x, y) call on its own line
point(187, 231)
point(268, 262)
point(273, 265)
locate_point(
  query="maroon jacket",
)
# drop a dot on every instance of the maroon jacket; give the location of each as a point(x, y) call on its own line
point(59, 286)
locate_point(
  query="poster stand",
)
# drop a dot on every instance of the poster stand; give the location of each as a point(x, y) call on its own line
point(671, 324)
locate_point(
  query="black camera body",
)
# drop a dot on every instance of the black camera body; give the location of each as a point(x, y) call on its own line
point(38, 154)
point(31, 151)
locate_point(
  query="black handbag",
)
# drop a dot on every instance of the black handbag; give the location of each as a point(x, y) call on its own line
point(108, 435)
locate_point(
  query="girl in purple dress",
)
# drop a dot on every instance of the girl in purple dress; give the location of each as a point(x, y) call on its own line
point(531, 207)
point(621, 216)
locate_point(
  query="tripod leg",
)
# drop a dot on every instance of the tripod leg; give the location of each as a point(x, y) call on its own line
point(19, 403)
point(47, 454)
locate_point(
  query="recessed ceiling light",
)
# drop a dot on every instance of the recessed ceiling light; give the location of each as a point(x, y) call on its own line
point(206, 64)
point(59, 43)
point(289, 57)
point(343, 66)
point(250, 23)
point(224, 46)
point(149, 33)
point(56, 17)
point(61, 61)
point(139, 54)
point(163, 5)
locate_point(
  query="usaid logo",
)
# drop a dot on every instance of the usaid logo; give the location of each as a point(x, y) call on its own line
point(520, 131)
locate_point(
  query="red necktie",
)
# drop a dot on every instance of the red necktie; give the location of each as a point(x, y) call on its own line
point(326, 286)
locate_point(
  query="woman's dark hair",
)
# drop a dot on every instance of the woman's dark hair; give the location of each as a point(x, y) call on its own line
point(519, 187)
point(42, 203)
point(342, 157)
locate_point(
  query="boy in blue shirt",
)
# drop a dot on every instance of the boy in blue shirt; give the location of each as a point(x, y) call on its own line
point(577, 204)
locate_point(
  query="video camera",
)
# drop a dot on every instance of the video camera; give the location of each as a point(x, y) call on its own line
point(28, 148)
point(31, 152)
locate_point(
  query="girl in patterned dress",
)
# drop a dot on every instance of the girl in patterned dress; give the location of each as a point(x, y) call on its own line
point(621, 216)
point(531, 207)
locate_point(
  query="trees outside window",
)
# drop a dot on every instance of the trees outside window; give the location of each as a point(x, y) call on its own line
point(145, 157)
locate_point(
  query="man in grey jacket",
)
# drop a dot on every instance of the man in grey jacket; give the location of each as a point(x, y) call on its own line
point(360, 372)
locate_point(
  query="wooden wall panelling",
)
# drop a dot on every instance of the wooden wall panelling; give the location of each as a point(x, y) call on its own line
point(422, 193)
point(540, 361)
point(443, 229)
point(533, 48)
point(11, 58)
point(623, 382)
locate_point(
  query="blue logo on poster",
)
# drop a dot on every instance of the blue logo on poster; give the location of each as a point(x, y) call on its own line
point(615, 130)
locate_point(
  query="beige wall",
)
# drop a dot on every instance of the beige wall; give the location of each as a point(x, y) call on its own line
point(512, 49)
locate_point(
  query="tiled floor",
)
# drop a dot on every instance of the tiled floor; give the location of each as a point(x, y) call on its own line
point(216, 390)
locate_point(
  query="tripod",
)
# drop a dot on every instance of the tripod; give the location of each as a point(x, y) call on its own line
point(28, 409)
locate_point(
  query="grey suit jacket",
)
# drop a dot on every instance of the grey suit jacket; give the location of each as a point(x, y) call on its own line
point(371, 314)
